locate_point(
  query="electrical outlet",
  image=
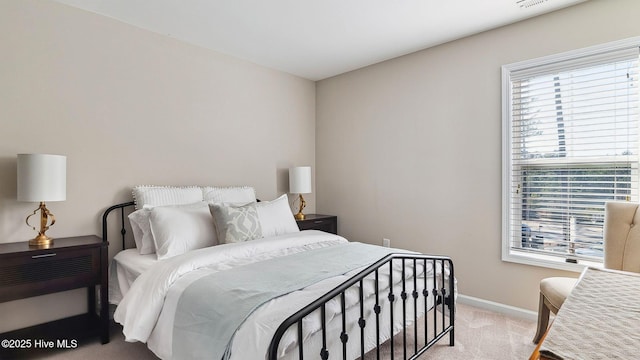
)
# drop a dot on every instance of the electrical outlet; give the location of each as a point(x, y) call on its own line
point(386, 242)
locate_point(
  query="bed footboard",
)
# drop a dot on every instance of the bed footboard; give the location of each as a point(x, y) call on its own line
point(436, 288)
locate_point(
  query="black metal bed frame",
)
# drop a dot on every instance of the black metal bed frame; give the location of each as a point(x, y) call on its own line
point(105, 215)
point(441, 299)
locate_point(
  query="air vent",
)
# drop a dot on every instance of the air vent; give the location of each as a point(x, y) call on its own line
point(529, 3)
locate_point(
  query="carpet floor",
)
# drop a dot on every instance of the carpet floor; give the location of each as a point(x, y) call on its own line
point(480, 335)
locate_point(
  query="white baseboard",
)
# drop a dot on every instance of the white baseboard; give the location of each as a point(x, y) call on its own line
point(498, 307)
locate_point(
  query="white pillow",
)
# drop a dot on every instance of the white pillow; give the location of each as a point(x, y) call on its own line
point(276, 217)
point(141, 228)
point(139, 220)
point(177, 230)
point(165, 195)
point(232, 194)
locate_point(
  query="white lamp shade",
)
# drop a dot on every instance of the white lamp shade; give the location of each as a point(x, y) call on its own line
point(300, 180)
point(42, 177)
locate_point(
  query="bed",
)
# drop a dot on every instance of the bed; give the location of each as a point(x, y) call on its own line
point(285, 294)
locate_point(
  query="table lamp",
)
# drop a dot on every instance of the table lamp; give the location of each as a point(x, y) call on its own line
point(41, 178)
point(300, 183)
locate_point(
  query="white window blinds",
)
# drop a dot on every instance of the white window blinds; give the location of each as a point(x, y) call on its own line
point(571, 133)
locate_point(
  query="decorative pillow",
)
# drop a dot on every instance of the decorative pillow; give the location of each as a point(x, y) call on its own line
point(233, 194)
point(177, 230)
point(141, 228)
point(165, 195)
point(236, 223)
point(276, 217)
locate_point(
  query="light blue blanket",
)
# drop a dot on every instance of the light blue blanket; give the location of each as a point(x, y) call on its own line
point(211, 309)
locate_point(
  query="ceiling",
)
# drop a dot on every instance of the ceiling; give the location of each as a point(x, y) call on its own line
point(316, 39)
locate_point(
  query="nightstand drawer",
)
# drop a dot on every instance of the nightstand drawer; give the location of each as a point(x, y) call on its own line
point(327, 223)
point(316, 225)
point(46, 271)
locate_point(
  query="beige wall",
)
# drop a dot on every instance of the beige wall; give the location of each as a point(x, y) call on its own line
point(129, 107)
point(410, 149)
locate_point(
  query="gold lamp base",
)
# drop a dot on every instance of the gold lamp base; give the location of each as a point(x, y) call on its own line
point(300, 215)
point(42, 240)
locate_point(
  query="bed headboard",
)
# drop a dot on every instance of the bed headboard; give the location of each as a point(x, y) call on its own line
point(123, 230)
point(176, 195)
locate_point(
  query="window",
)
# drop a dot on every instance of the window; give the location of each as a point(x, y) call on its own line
point(570, 144)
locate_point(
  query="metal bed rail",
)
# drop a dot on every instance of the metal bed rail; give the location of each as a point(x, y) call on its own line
point(441, 299)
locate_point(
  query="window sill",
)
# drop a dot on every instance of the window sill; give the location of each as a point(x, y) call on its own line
point(547, 261)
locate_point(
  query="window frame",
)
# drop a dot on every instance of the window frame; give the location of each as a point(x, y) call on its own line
point(508, 253)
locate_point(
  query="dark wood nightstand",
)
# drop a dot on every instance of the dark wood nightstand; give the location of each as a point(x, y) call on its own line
point(70, 263)
point(328, 223)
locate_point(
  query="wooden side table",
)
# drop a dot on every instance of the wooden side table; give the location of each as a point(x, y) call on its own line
point(328, 223)
point(70, 263)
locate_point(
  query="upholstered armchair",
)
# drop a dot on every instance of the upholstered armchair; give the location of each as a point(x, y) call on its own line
point(621, 252)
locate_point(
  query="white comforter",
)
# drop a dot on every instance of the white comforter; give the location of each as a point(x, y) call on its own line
point(147, 310)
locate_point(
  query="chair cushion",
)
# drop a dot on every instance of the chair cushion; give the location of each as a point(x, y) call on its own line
point(556, 289)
